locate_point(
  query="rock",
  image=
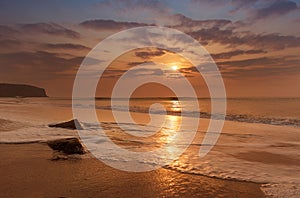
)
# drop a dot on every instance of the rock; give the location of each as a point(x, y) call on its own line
point(72, 124)
point(67, 146)
point(20, 90)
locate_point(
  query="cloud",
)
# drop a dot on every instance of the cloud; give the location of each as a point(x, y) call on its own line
point(50, 29)
point(214, 34)
point(263, 66)
point(254, 67)
point(9, 43)
point(281, 70)
point(209, 31)
point(134, 10)
point(227, 55)
point(35, 30)
point(113, 73)
point(138, 72)
point(101, 24)
point(183, 21)
point(137, 63)
point(37, 63)
point(132, 4)
point(278, 7)
point(241, 4)
point(234, 38)
point(6, 31)
point(65, 46)
point(150, 53)
point(252, 10)
point(271, 41)
point(262, 61)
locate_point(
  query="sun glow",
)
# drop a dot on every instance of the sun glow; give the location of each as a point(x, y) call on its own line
point(174, 67)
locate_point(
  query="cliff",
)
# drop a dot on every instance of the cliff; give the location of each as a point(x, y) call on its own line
point(19, 90)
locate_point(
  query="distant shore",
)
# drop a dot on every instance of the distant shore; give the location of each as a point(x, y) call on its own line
point(21, 90)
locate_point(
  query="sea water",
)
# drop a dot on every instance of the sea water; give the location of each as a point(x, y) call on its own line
point(259, 143)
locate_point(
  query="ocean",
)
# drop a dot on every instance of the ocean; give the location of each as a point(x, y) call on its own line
point(259, 143)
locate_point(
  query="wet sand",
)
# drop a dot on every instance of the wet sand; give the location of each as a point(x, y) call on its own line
point(268, 158)
point(28, 171)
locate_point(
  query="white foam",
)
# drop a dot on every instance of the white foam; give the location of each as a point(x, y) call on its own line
point(281, 190)
point(222, 161)
point(29, 134)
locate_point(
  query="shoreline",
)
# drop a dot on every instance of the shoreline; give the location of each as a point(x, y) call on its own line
point(29, 171)
point(90, 156)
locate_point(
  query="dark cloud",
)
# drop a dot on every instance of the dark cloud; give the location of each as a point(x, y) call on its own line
point(113, 73)
point(260, 8)
point(6, 31)
point(234, 38)
point(101, 24)
point(184, 21)
point(210, 31)
point(117, 73)
point(210, 2)
point(137, 63)
point(282, 68)
point(50, 29)
point(263, 66)
point(215, 35)
point(206, 31)
point(129, 8)
point(262, 61)
point(270, 41)
point(278, 7)
point(231, 5)
point(9, 43)
point(228, 33)
point(37, 62)
point(65, 46)
point(150, 53)
point(256, 67)
point(227, 55)
point(125, 4)
point(241, 4)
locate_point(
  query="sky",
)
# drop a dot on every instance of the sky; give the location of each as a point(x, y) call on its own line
point(255, 44)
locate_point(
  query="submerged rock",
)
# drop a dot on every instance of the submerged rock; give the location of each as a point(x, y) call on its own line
point(67, 146)
point(72, 124)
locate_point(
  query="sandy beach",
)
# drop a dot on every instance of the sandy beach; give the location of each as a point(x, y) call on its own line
point(28, 171)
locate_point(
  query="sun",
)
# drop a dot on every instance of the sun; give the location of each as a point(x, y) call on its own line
point(174, 67)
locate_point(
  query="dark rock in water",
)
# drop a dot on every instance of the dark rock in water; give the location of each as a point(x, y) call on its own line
point(72, 124)
point(18, 90)
point(67, 146)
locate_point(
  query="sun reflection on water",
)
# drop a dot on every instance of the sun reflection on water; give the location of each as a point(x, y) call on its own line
point(169, 131)
point(175, 106)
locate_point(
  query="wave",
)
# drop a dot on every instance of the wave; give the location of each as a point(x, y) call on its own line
point(282, 119)
point(218, 164)
point(230, 117)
